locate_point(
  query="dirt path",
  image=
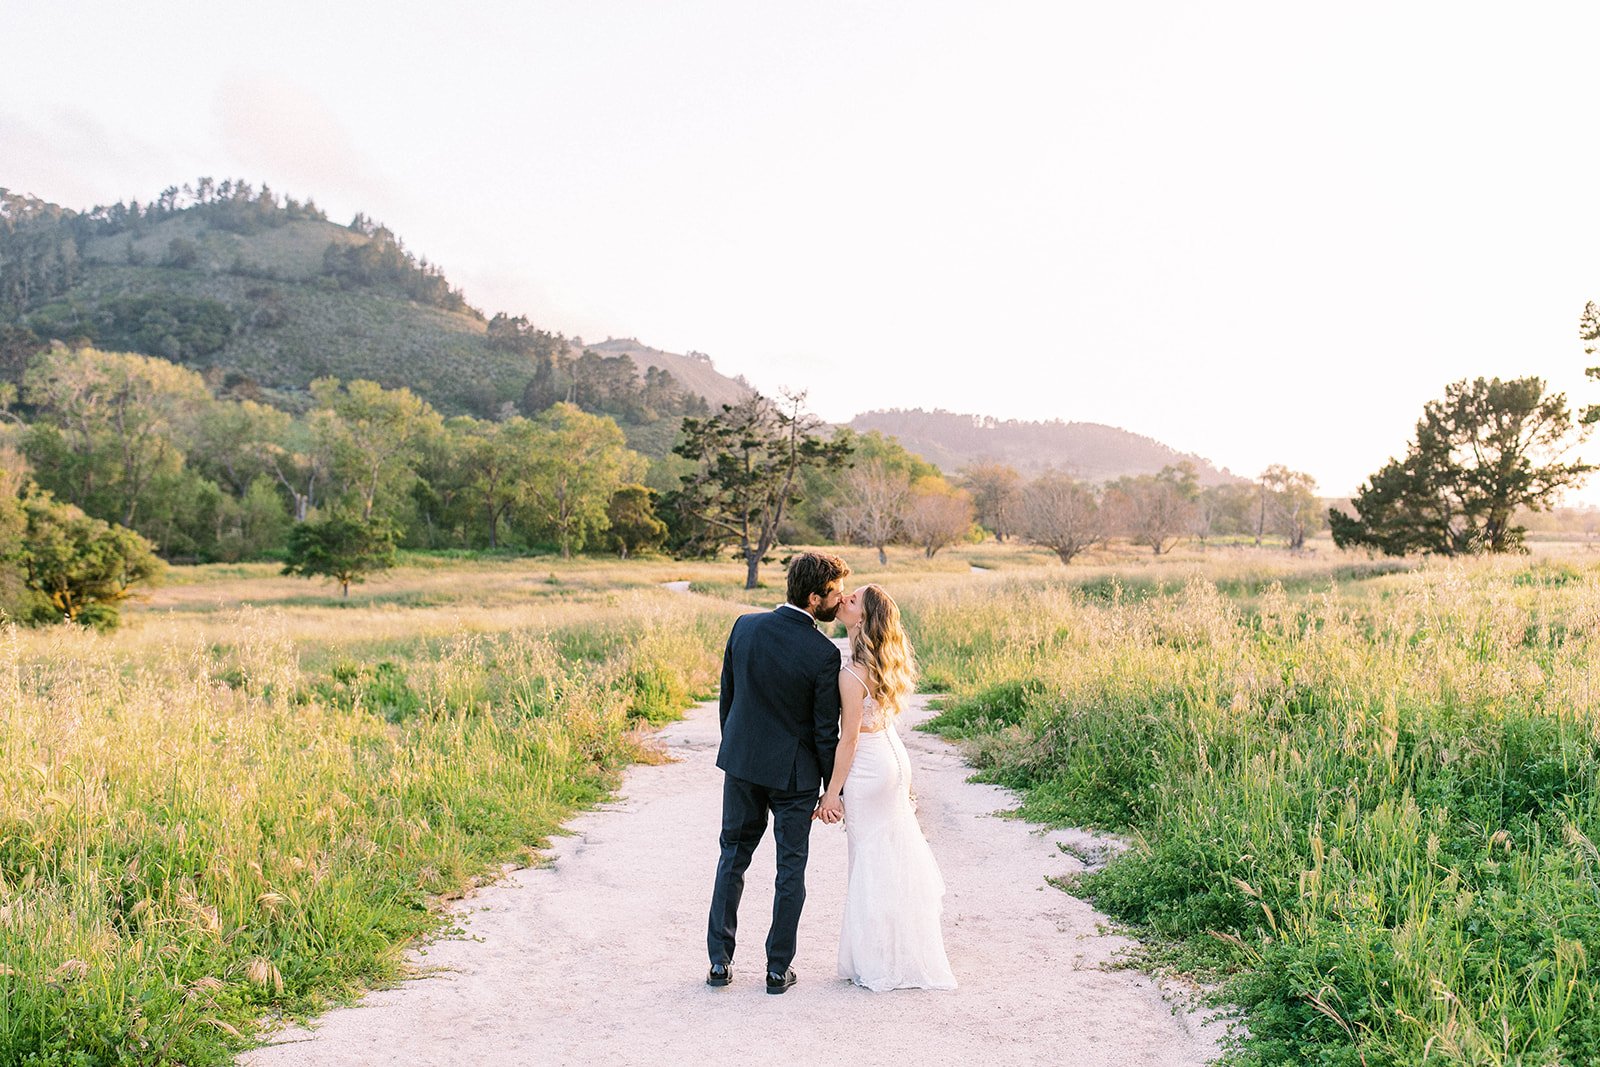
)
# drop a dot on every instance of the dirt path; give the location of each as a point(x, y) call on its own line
point(600, 958)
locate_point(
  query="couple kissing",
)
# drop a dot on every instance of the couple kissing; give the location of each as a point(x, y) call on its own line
point(808, 735)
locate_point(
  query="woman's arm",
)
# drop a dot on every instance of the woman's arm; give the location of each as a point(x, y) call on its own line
point(851, 693)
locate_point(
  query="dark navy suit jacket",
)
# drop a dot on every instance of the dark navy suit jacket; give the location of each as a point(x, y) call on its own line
point(779, 702)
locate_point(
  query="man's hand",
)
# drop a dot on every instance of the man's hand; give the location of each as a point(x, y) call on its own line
point(830, 809)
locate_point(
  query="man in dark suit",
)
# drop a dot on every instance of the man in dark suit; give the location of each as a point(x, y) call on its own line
point(780, 727)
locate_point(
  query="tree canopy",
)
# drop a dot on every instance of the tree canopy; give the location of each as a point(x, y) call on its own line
point(343, 549)
point(1487, 449)
point(748, 463)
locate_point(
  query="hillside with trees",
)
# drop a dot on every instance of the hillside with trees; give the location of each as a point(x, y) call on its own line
point(224, 374)
point(1088, 451)
point(263, 294)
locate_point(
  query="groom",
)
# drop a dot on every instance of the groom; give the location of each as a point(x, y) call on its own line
point(780, 726)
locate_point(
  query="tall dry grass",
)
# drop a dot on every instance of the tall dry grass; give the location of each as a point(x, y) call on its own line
point(225, 812)
point(1371, 802)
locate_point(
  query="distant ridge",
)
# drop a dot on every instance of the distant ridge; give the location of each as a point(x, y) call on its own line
point(1088, 450)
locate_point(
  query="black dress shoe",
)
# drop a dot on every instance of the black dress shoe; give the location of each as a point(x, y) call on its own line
point(721, 974)
point(780, 983)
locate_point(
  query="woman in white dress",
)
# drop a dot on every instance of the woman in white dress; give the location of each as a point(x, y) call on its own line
point(894, 894)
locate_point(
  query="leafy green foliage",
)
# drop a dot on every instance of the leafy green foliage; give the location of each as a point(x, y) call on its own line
point(1484, 451)
point(112, 429)
point(345, 550)
point(607, 385)
point(634, 526)
point(381, 688)
point(749, 461)
point(382, 260)
point(81, 569)
point(368, 438)
point(1589, 334)
point(581, 461)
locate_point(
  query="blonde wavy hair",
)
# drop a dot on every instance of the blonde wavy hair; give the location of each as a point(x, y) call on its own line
point(879, 645)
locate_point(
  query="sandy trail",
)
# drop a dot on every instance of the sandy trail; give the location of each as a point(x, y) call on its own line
point(600, 958)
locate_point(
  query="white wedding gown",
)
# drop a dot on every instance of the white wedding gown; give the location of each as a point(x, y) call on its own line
point(894, 892)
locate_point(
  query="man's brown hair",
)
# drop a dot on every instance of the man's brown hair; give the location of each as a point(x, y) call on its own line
point(813, 572)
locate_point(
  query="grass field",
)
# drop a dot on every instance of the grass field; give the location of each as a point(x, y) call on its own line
point(253, 796)
point(1361, 794)
point(1366, 802)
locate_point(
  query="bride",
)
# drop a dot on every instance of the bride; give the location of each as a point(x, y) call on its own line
point(890, 937)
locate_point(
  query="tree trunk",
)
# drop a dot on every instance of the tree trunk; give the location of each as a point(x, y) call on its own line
point(752, 563)
point(346, 584)
point(883, 557)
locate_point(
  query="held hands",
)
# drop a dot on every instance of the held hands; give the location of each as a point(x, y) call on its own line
point(830, 809)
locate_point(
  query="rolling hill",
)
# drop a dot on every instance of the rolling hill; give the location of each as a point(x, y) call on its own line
point(1087, 450)
point(265, 294)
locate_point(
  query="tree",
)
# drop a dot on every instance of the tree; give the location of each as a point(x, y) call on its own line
point(1221, 510)
point(996, 494)
point(582, 460)
point(748, 461)
point(300, 466)
point(872, 505)
point(345, 550)
point(1153, 509)
point(15, 597)
point(937, 514)
point(1288, 504)
point(1485, 450)
point(634, 526)
point(1060, 514)
point(826, 509)
point(497, 461)
point(113, 428)
point(252, 525)
point(82, 568)
point(235, 442)
point(1589, 334)
point(18, 347)
point(370, 438)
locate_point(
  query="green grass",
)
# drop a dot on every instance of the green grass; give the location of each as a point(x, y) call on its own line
point(1364, 803)
point(217, 815)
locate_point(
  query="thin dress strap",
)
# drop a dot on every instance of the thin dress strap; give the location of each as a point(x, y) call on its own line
point(871, 714)
point(858, 678)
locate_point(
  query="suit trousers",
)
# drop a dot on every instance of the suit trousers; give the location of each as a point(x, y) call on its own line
point(744, 821)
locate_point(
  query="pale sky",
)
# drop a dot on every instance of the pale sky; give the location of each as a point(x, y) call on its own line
point(1266, 233)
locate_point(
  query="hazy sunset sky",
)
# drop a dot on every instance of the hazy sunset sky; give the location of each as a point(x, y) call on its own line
point(1257, 232)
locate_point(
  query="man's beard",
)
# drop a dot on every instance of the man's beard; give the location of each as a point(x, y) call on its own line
point(826, 614)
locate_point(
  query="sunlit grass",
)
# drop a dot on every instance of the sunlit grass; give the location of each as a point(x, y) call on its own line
point(227, 811)
point(1361, 792)
point(1368, 800)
